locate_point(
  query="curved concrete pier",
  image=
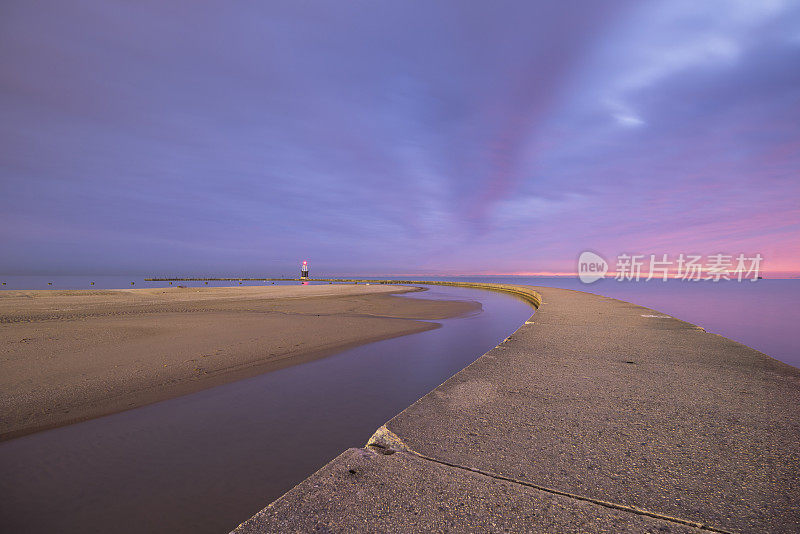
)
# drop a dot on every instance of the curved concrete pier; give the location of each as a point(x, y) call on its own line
point(596, 415)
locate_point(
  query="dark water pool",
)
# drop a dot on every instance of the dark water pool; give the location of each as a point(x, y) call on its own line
point(207, 461)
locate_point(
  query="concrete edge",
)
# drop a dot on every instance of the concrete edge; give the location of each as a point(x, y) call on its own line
point(384, 441)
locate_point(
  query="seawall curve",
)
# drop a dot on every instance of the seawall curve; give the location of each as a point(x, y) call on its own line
point(524, 292)
point(597, 415)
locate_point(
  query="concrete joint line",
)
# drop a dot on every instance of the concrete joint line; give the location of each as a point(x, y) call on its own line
point(386, 442)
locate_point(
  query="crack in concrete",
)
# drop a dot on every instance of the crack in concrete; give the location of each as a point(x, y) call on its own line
point(386, 442)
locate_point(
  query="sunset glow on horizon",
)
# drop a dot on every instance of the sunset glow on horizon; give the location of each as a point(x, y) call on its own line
point(394, 138)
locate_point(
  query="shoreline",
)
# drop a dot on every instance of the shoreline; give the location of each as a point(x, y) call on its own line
point(568, 425)
point(73, 355)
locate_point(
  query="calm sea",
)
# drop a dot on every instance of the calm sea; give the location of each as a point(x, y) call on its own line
point(761, 314)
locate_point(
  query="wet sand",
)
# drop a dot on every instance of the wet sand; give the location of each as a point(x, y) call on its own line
point(67, 356)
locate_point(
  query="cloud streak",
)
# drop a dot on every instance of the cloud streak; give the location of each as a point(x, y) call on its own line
point(143, 137)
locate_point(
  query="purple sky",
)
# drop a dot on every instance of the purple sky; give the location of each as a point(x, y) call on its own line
point(395, 137)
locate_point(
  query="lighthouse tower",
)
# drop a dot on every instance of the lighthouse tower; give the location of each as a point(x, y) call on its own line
point(304, 270)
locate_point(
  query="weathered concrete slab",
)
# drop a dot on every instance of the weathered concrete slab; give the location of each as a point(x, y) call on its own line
point(363, 491)
point(615, 409)
point(596, 399)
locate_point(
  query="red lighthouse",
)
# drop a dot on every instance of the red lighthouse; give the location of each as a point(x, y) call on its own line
point(304, 270)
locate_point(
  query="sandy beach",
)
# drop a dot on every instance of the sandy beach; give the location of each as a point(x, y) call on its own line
point(67, 356)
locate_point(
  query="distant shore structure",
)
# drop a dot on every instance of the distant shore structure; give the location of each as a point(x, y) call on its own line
point(304, 269)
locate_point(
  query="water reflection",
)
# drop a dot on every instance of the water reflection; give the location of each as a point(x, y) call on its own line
point(207, 461)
